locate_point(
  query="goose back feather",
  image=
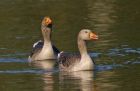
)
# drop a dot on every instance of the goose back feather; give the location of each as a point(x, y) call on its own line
point(68, 60)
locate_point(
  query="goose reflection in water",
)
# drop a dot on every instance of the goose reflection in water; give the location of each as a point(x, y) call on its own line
point(80, 81)
point(48, 65)
point(48, 80)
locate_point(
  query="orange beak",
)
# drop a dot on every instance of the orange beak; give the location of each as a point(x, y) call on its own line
point(47, 20)
point(93, 36)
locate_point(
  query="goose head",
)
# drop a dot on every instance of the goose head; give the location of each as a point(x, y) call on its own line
point(86, 34)
point(47, 22)
point(46, 27)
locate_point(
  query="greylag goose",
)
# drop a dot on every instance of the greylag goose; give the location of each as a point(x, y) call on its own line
point(44, 50)
point(73, 62)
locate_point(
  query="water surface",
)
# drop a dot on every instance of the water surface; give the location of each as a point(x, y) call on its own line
point(116, 53)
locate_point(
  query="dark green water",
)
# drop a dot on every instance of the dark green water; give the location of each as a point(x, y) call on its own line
point(116, 53)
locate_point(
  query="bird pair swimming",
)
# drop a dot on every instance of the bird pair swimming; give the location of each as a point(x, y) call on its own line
point(67, 62)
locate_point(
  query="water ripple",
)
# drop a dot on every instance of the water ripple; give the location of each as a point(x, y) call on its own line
point(21, 71)
point(9, 60)
point(107, 67)
point(123, 51)
point(27, 71)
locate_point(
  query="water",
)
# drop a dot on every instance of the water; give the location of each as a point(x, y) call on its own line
point(116, 53)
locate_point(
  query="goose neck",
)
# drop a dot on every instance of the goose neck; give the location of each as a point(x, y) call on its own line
point(82, 47)
point(46, 32)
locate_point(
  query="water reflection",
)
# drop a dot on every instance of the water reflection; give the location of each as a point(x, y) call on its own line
point(112, 19)
point(102, 17)
point(104, 81)
point(48, 77)
point(81, 81)
point(48, 80)
point(44, 64)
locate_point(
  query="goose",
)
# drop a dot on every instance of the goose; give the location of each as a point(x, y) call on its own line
point(73, 62)
point(43, 50)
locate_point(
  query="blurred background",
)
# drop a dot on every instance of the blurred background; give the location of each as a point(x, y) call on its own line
point(117, 22)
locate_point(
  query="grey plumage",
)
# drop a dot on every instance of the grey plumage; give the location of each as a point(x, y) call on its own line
point(75, 62)
point(68, 59)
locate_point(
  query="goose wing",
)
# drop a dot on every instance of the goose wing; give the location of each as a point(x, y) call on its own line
point(67, 60)
point(37, 46)
point(55, 49)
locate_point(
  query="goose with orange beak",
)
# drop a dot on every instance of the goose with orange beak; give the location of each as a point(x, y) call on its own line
point(73, 62)
point(43, 50)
